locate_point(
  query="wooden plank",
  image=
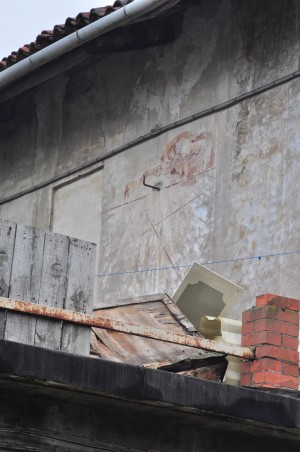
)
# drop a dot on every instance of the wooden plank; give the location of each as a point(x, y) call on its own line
point(79, 295)
point(153, 312)
point(25, 281)
point(179, 316)
point(132, 349)
point(7, 243)
point(52, 289)
point(99, 349)
point(3, 315)
point(131, 300)
point(128, 348)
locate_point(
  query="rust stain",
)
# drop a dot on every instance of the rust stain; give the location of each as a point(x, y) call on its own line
point(273, 149)
point(185, 157)
point(244, 181)
point(125, 327)
point(242, 232)
point(238, 265)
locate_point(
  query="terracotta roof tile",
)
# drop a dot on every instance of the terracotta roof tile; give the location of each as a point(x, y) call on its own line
point(47, 37)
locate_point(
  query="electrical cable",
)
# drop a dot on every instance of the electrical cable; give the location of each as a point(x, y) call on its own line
point(144, 270)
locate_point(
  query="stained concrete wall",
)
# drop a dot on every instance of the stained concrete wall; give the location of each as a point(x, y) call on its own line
point(229, 181)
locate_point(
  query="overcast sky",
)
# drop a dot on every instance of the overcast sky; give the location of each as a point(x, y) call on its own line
point(22, 21)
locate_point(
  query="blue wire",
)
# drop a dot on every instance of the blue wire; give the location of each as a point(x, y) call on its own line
point(101, 275)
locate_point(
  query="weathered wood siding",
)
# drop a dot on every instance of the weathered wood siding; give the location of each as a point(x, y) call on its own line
point(49, 269)
point(7, 240)
point(79, 292)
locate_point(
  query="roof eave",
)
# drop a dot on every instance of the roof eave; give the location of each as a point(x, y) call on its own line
point(129, 14)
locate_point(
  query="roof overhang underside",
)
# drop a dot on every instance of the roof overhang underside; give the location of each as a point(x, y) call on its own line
point(150, 32)
point(33, 377)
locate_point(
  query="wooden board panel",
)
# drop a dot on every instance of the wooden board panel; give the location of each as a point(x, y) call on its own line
point(25, 281)
point(156, 313)
point(52, 288)
point(50, 269)
point(79, 296)
point(133, 349)
point(7, 243)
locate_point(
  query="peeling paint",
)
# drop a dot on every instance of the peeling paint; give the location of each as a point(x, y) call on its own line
point(184, 158)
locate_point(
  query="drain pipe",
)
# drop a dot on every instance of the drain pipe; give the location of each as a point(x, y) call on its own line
point(123, 16)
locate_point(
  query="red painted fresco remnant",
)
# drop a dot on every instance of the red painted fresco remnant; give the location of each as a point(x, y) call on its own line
point(185, 157)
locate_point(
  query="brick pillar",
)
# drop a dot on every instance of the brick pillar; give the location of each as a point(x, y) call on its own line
point(272, 327)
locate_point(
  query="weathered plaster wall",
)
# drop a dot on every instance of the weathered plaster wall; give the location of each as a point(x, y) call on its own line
point(229, 182)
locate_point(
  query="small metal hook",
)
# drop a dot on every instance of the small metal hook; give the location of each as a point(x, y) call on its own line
point(147, 185)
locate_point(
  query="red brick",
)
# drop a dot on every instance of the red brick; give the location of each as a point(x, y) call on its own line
point(264, 385)
point(286, 303)
point(264, 299)
point(269, 312)
point(290, 329)
point(247, 328)
point(291, 316)
point(275, 379)
point(272, 365)
point(245, 367)
point(246, 379)
point(271, 351)
point(262, 337)
point(277, 300)
point(290, 342)
point(262, 312)
point(247, 316)
point(290, 369)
